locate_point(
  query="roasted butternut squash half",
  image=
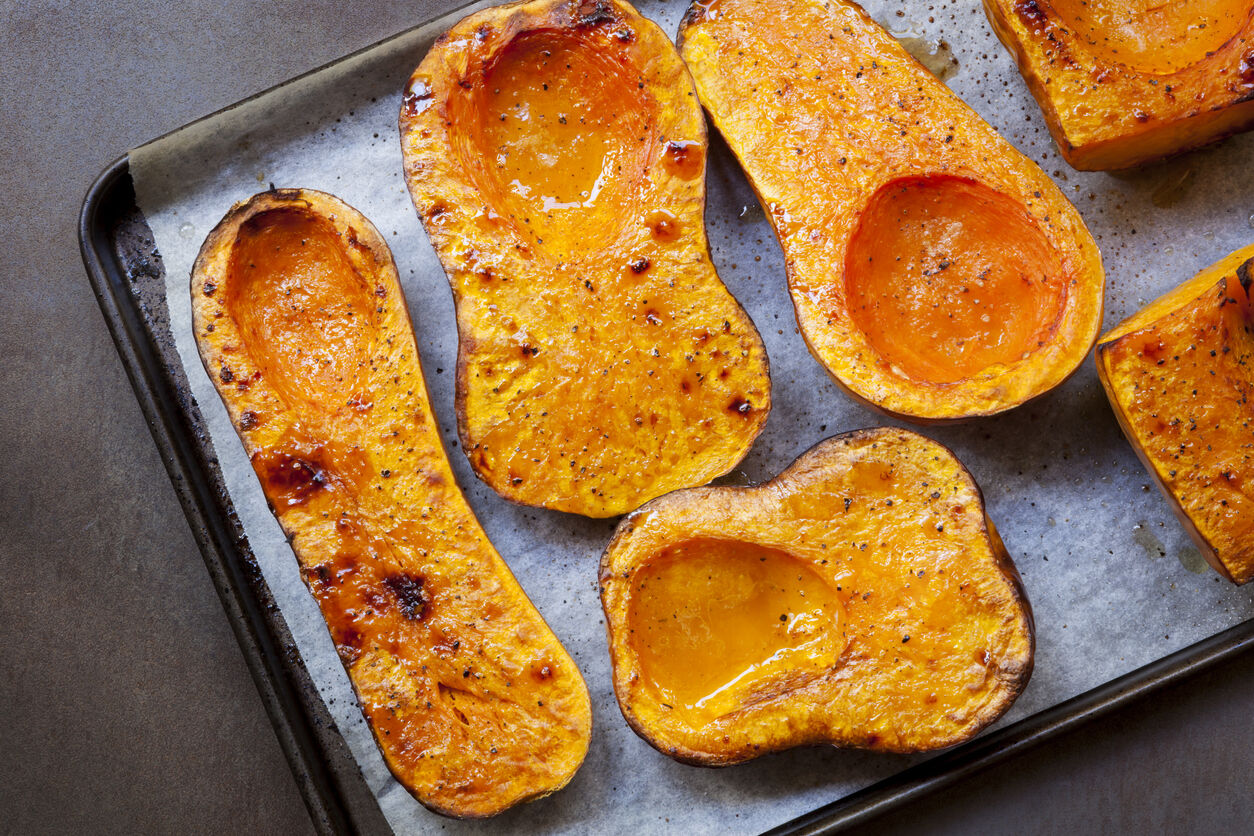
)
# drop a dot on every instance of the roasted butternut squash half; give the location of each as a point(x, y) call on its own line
point(936, 272)
point(1180, 376)
point(1126, 82)
point(302, 325)
point(862, 598)
point(555, 152)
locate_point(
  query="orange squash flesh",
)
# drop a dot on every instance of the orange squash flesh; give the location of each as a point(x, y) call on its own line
point(555, 152)
point(1180, 376)
point(301, 323)
point(936, 272)
point(862, 598)
point(1126, 82)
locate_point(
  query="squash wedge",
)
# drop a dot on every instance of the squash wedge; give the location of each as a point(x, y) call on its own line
point(1126, 82)
point(1180, 377)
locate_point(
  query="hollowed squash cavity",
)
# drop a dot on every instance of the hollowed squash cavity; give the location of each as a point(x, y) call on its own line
point(948, 278)
point(716, 623)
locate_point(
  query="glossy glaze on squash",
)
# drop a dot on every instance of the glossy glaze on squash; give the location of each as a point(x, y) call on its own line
point(936, 272)
point(555, 152)
point(1126, 82)
point(862, 598)
point(302, 325)
point(1180, 377)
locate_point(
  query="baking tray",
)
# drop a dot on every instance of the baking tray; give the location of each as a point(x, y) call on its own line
point(128, 278)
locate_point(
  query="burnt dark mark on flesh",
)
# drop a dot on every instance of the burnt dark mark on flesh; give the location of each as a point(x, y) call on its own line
point(1245, 70)
point(1245, 274)
point(409, 594)
point(210, 287)
point(740, 406)
point(1030, 12)
point(639, 265)
point(248, 420)
point(289, 480)
point(436, 212)
point(225, 374)
point(594, 14)
point(625, 35)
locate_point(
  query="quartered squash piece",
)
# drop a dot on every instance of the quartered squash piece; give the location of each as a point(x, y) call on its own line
point(555, 152)
point(1180, 376)
point(301, 324)
point(936, 272)
point(862, 598)
point(1126, 82)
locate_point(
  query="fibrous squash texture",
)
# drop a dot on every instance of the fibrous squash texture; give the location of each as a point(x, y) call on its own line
point(556, 154)
point(301, 324)
point(1126, 82)
point(1180, 376)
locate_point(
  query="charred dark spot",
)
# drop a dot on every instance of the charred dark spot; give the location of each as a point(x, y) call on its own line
point(1245, 70)
point(436, 212)
point(380, 291)
point(1245, 274)
point(625, 35)
point(409, 594)
point(541, 671)
point(639, 265)
point(348, 644)
point(723, 374)
point(210, 287)
point(529, 350)
point(1030, 12)
point(1140, 116)
point(464, 84)
point(248, 420)
point(288, 480)
point(319, 578)
point(225, 374)
point(872, 739)
point(651, 316)
point(596, 13)
point(483, 33)
point(740, 406)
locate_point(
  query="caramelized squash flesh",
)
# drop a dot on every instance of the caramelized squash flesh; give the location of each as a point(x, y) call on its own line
point(936, 272)
point(1180, 377)
point(1151, 36)
point(556, 154)
point(862, 599)
point(1126, 82)
point(301, 323)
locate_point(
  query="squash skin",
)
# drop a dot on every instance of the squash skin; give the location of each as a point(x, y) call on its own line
point(854, 119)
point(601, 360)
point(1180, 377)
point(1104, 114)
point(439, 641)
point(967, 606)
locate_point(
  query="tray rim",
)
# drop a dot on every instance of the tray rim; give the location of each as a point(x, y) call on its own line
point(262, 639)
point(267, 646)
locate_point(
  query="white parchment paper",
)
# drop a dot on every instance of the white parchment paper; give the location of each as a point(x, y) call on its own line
point(1113, 579)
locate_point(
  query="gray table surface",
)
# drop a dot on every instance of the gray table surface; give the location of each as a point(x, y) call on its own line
point(127, 705)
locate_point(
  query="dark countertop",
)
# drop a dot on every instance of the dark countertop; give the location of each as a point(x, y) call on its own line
point(128, 704)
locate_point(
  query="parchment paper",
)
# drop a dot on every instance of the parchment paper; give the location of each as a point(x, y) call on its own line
point(1113, 579)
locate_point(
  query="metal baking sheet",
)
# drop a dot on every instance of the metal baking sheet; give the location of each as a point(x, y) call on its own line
point(1113, 579)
